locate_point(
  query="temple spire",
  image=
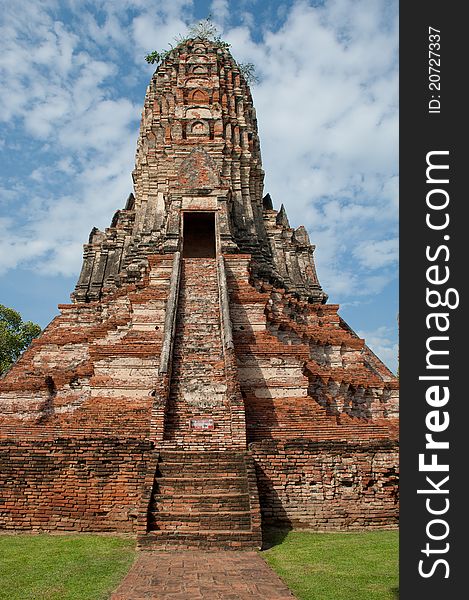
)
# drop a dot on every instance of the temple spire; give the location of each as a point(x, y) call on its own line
point(282, 219)
point(198, 150)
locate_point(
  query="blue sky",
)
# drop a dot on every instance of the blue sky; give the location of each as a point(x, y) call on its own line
point(73, 82)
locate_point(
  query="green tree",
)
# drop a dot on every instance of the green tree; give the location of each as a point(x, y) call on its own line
point(15, 336)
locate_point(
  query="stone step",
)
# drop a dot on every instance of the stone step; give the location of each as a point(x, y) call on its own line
point(192, 522)
point(214, 384)
point(212, 485)
point(209, 360)
point(195, 275)
point(211, 350)
point(210, 268)
point(191, 292)
point(199, 345)
point(202, 330)
point(210, 539)
point(206, 503)
point(200, 464)
point(198, 342)
point(209, 366)
point(198, 470)
point(212, 378)
point(196, 330)
point(199, 299)
point(190, 457)
point(212, 353)
point(204, 455)
point(210, 323)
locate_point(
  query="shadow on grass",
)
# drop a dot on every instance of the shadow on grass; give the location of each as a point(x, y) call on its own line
point(273, 536)
point(395, 592)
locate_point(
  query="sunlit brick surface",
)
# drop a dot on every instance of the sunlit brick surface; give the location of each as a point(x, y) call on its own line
point(182, 398)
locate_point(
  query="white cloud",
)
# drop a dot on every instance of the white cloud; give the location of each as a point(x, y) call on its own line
point(220, 11)
point(83, 172)
point(381, 341)
point(326, 104)
point(377, 254)
point(327, 110)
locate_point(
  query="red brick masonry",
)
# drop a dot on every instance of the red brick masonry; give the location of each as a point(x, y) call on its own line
point(328, 485)
point(74, 484)
point(303, 416)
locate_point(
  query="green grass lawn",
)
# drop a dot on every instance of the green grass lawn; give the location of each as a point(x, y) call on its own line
point(316, 566)
point(336, 566)
point(62, 567)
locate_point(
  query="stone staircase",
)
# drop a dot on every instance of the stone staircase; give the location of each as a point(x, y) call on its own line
point(198, 379)
point(204, 492)
point(204, 499)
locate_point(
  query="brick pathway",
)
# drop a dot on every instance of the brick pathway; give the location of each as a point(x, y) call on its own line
point(194, 574)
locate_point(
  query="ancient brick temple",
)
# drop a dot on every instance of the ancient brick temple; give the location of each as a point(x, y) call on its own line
point(198, 385)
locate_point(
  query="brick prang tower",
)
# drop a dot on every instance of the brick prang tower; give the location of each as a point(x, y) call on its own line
point(198, 386)
point(199, 150)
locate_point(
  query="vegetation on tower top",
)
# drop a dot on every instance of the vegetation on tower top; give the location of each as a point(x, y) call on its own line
point(204, 29)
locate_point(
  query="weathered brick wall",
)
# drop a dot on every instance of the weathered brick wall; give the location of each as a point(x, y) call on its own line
point(327, 485)
point(303, 372)
point(94, 369)
point(75, 484)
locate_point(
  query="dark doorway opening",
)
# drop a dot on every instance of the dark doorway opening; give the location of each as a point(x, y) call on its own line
point(199, 235)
